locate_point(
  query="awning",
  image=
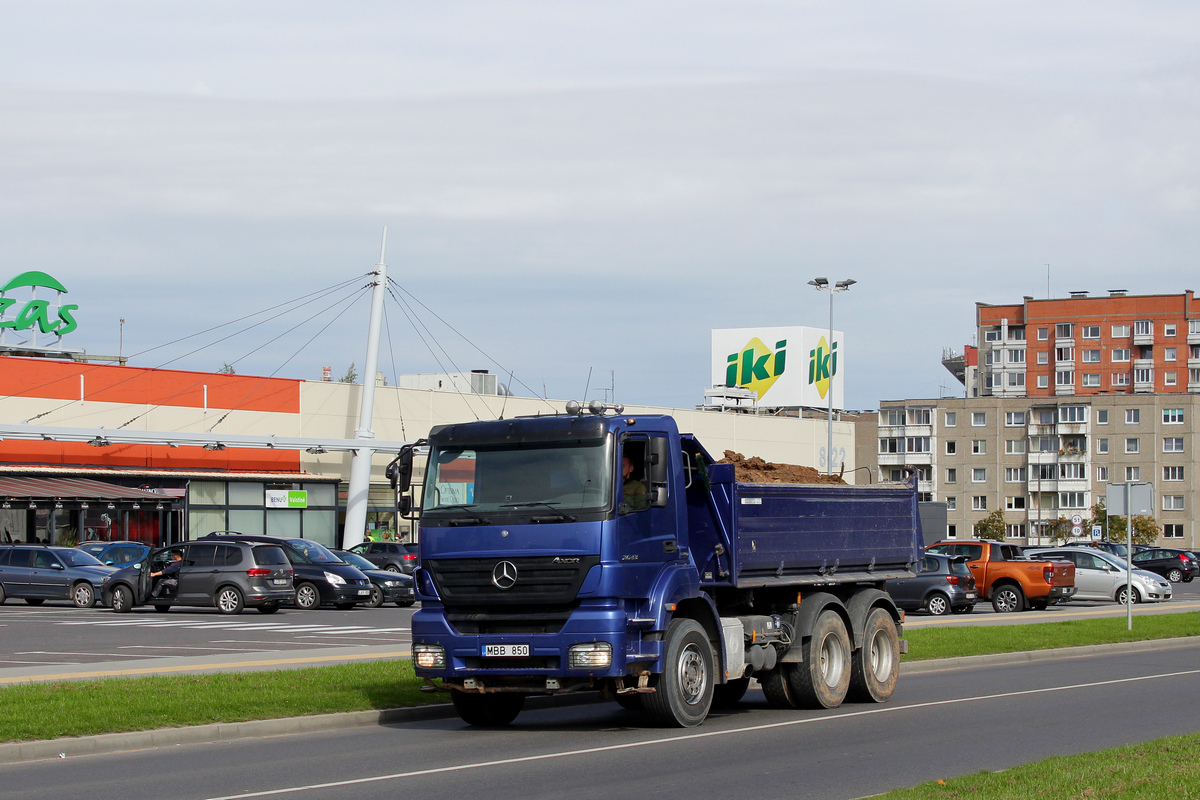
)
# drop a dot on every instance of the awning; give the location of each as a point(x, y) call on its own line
point(80, 489)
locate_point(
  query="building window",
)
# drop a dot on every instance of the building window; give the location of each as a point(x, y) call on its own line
point(1043, 444)
point(1014, 475)
point(979, 475)
point(1071, 500)
point(979, 502)
point(1016, 379)
point(1194, 326)
point(1172, 473)
point(917, 444)
point(978, 419)
point(918, 416)
point(979, 447)
point(1143, 376)
point(1120, 379)
point(951, 503)
point(1133, 416)
point(1064, 354)
point(1170, 353)
point(1172, 444)
point(951, 531)
point(992, 335)
point(1043, 358)
point(1015, 503)
point(1014, 447)
point(1102, 445)
point(891, 416)
point(1064, 330)
point(1091, 379)
point(1101, 416)
point(951, 447)
point(952, 475)
point(1015, 531)
point(951, 419)
point(1133, 474)
point(1132, 446)
point(1172, 530)
point(1143, 327)
point(1120, 331)
point(1172, 416)
point(1043, 381)
point(1014, 419)
point(1089, 331)
point(1016, 333)
point(1172, 502)
point(1091, 356)
point(1120, 354)
point(891, 445)
point(1072, 414)
point(1194, 376)
point(1072, 472)
point(1016, 356)
point(1064, 377)
point(1168, 329)
point(1043, 334)
point(1101, 473)
point(1170, 379)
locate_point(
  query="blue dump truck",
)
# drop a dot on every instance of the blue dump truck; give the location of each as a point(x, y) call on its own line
point(593, 551)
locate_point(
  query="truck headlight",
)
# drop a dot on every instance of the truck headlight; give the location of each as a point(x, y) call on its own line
point(336, 580)
point(429, 656)
point(592, 655)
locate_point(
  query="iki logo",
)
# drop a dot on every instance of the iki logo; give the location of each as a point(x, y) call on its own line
point(35, 314)
point(822, 365)
point(756, 368)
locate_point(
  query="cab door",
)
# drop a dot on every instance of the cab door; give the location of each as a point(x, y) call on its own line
point(198, 578)
point(48, 578)
point(646, 531)
point(15, 571)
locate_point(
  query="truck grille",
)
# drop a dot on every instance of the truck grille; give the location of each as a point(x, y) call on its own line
point(467, 582)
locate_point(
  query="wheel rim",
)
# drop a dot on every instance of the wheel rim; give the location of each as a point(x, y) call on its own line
point(1175, 576)
point(693, 674)
point(833, 661)
point(1007, 600)
point(376, 597)
point(118, 600)
point(83, 595)
point(881, 657)
point(392, 568)
point(937, 605)
point(227, 600)
point(305, 597)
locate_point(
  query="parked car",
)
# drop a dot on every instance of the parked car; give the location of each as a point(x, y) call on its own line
point(392, 556)
point(944, 585)
point(116, 554)
point(230, 575)
point(1101, 576)
point(320, 576)
point(1174, 565)
point(1005, 576)
point(387, 586)
point(38, 573)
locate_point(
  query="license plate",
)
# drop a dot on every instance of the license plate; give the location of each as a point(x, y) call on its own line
point(279, 581)
point(505, 650)
point(971, 595)
point(364, 591)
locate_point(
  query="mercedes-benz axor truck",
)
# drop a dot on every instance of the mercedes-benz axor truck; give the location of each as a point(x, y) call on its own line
point(596, 551)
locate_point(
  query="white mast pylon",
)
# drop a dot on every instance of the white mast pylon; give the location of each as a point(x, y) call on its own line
point(360, 465)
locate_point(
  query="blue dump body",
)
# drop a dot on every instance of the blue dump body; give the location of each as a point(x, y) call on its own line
point(561, 553)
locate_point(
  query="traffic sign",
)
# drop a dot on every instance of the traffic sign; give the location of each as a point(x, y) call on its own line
point(1077, 530)
point(1076, 520)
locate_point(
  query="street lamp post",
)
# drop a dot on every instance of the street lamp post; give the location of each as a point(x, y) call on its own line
point(823, 285)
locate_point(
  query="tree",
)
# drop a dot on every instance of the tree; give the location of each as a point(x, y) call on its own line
point(351, 375)
point(991, 527)
point(1058, 531)
point(226, 369)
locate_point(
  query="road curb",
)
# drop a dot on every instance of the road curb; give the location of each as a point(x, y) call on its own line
point(68, 747)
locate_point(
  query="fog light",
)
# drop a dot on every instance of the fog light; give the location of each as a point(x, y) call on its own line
point(593, 655)
point(429, 656)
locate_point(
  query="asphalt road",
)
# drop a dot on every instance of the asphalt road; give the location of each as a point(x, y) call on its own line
point(937, 725)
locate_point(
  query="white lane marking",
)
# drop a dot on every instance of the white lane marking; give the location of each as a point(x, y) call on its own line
point(705, 735)
point(185, 647)
point(62, 653)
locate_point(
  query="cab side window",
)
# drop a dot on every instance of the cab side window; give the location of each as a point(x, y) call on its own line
point(44, 560)
point(200, 555)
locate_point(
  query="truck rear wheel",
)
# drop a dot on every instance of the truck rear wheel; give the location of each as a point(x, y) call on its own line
point(1008, 599)
point(876, 665)
point(775, 687)
point(684, 691)
point(728, 694)
point(487, 710)
point(823, 678)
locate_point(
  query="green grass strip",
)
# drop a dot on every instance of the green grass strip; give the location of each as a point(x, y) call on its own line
point(37, 711)
point(974, 640)
point(1163, 769)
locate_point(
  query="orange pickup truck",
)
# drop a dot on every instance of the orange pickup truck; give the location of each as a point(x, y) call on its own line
point(1012, 582)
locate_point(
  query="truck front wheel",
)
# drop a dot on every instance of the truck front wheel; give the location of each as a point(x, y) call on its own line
point(487, 710)
point(876, 665)
point(823, 678)
point(684, 692)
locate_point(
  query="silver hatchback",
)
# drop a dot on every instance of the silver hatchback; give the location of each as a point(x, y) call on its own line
point(1101, 576)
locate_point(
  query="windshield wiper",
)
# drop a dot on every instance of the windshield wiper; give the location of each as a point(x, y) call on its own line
point(475, 517)
point(559, 516)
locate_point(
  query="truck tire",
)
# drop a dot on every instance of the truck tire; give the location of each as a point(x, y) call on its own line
point(776, 689)
point(730, 693)
point(823, 678)
point(876, 665)
point(937, 604)
point(1008, 599)
point(488, 710)
point(684, 690)
point(629, 702)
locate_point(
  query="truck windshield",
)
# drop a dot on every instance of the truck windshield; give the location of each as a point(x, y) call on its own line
point(519, 480)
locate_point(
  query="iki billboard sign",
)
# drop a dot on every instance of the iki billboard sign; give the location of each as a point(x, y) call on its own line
point(793, 366)
point(24, 315)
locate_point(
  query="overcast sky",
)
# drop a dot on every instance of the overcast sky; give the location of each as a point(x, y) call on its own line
point(580, 186)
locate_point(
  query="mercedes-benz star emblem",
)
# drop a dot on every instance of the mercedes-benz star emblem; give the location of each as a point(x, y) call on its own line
point(504, 575)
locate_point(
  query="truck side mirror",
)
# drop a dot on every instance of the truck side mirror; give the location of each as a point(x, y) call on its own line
point(659, 463)
point(404, 505)
point(399, 472)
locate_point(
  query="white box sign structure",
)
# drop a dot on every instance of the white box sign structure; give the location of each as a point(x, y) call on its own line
point(790, 366)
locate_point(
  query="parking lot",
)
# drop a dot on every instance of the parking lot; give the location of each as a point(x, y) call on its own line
point(59, 634)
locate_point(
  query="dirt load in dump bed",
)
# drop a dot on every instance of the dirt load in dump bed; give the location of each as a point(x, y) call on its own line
point(755, 470)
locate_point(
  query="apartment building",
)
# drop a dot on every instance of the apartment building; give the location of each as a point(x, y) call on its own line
point(1082, 346)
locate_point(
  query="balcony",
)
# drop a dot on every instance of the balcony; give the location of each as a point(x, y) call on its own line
point(1044, 458)
point(891, 431)
point(916, 430)
point(1039, 429)
point(1143, 338)
point(1193, 363)
point(1078, 428)
point(1064, 342)
point(1193, 337)
point(1071, 485)
point(1043, 485)
point(1064, 390)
